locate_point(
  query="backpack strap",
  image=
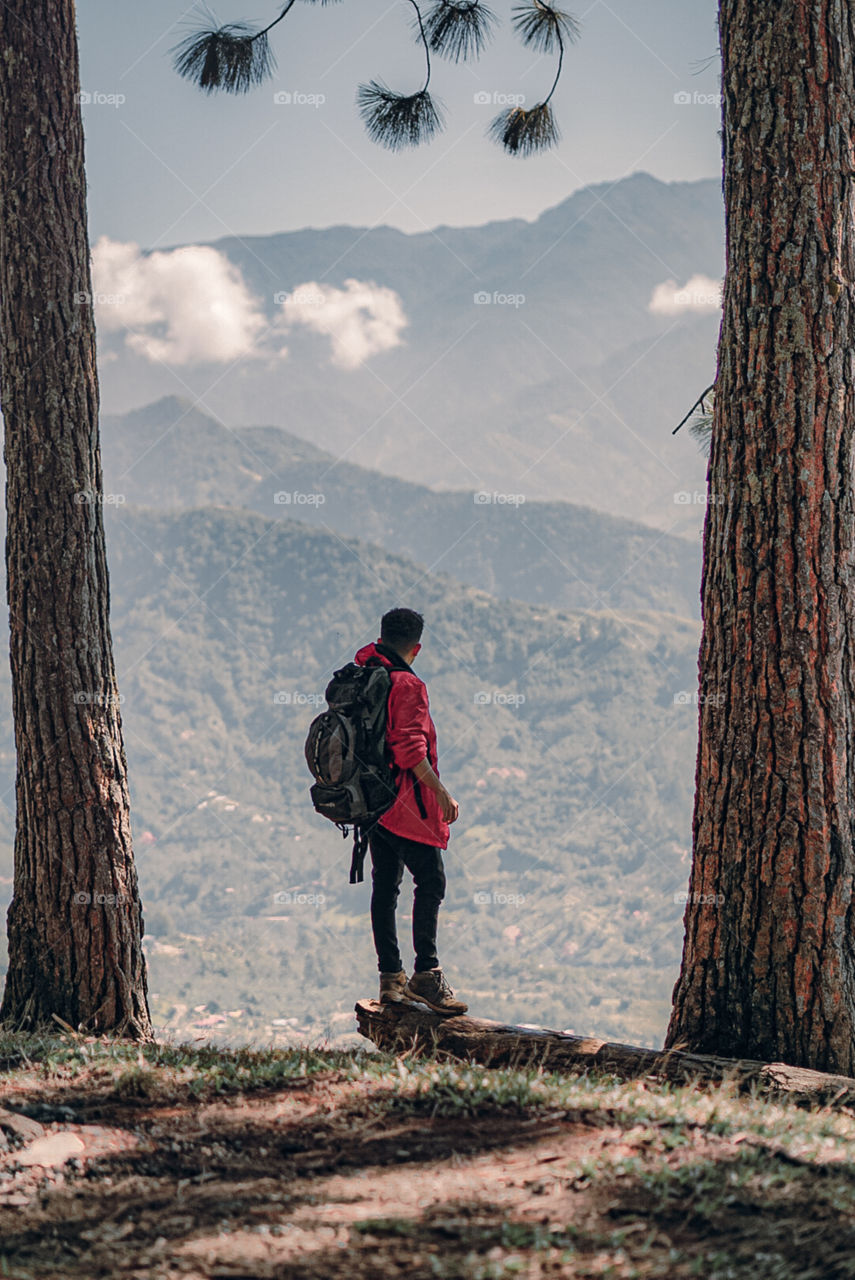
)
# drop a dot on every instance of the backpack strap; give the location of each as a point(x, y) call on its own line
point(360, 846)
point(393, 657)
point(398, 664)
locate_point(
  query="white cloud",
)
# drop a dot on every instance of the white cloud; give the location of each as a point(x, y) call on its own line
point(182, 306)
point(361, 319)
point(192, 306)
point(700, 293)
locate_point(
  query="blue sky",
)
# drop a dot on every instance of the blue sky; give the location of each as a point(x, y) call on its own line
point(169, 165)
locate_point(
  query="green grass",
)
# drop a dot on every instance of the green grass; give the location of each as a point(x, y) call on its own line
point(146, 1069)
point(666, 1114)
point(709, 1182)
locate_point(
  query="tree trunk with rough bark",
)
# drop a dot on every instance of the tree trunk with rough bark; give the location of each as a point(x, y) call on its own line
point(769, 956)
point(75, 923)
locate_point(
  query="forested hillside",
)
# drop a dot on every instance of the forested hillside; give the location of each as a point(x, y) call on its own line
point(172, 455)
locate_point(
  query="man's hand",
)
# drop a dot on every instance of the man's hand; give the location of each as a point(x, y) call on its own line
point(448, 806)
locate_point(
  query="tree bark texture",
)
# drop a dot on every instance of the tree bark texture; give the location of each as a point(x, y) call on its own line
point(769, 955)
point(75, 923)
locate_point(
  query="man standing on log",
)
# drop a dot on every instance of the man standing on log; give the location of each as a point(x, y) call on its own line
point(414, 831)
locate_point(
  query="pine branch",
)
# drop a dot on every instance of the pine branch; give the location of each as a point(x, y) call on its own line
point(397, 120)
point(235, 57)
point(703, 413)
point(699, 404)
point(542, 27)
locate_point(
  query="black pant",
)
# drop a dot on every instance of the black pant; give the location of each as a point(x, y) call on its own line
point(389, 855)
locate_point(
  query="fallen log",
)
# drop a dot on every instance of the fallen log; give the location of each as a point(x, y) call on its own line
point(415, 1028)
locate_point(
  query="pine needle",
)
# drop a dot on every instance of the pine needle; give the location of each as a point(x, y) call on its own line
point(397, 120)
point(459, 29)
point(235, 57)
point(701, 430)
point(524, 133)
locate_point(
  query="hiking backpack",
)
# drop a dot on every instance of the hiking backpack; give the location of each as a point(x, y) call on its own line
point(346, 753)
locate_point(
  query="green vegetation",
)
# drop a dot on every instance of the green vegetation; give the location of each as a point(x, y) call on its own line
point(327, 1163)
point(649, 1110)
point(163, 1069)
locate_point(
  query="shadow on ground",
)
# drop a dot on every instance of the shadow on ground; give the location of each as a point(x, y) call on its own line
point(331, 1178)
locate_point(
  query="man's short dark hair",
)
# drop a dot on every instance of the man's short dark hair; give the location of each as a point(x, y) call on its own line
point(401, 628)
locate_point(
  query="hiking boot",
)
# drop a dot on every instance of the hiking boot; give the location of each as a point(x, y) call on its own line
point(432, 989)
point(392, 987)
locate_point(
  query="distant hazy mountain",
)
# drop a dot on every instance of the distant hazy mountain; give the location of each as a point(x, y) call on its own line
point(571, 394)
point(562, 555)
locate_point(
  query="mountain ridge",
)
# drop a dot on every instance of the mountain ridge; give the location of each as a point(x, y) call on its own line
point(637, 177)
point(547, 553)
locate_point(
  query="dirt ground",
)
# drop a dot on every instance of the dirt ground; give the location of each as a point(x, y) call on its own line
point(309, 1182)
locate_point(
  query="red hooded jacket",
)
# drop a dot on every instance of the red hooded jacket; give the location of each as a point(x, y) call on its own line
point(410, 736)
